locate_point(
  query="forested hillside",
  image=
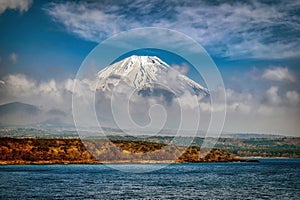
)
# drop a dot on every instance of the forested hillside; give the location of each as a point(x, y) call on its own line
point(65, 151)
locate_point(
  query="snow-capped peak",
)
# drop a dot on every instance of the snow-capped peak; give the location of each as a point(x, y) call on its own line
point(142, 72)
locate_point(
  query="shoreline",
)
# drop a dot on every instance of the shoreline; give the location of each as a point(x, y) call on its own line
point(243, 160)
point(3, 163)
point(112, 162)
point(261, 157)
point(72, 151)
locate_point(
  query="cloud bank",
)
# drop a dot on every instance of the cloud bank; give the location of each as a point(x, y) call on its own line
point(249, 29)
point(278, 74)
point(21, 5)
point(276, 111)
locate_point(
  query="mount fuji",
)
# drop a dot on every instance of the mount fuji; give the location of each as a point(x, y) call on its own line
point(143, 93)
point(149, 76)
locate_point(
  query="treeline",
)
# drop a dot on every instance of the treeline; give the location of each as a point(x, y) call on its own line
point(262, 147)
point(243, 147)
point(49, 151)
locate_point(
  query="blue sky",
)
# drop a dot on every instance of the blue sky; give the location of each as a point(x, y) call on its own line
point(255, 44)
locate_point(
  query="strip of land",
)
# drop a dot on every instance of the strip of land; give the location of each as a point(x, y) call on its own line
point(242, 145)
point(74, 151)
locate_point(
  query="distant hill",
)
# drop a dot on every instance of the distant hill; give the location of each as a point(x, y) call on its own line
point(251, 135)
point(17, 113)
point(20, 114)
point(17, 108)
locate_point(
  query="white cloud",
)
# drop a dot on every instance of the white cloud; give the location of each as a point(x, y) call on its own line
point(293, 97)
point(234, 96)
point(270, 111)
point(51, 90)
point(48, 87)
point(226, 29)
point(182, 69)
point(278, 74)
point(265, 110)
point(88, 23)
point(69, 85)
point(238, 29)
point(21, 5)
point(18, 87)
point(13, 57)
point(248, 111)
point(240, 107)
point(272, 95)
point(50, 94)
point(19, 84)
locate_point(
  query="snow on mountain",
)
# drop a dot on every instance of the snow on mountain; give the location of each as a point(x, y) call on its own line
point(144, 93)
point(147, 73)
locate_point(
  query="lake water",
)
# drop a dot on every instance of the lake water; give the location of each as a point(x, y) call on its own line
point(268, 179)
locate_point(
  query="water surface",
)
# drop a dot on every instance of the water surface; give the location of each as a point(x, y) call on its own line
point(268, 179)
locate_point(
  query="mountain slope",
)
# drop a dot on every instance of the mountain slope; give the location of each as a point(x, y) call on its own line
point(22, 114)
point(146, 73)
point(17, 108)
point(17, 113)
point(144, 93)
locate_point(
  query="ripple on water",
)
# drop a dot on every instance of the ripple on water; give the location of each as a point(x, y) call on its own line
point(269, 179)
